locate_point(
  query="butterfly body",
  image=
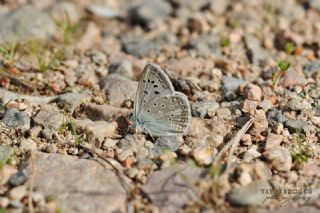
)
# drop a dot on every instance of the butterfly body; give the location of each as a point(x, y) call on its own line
point(158, 109)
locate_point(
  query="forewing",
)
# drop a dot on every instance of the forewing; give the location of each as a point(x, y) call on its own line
point(166, 115)
point(153, 83)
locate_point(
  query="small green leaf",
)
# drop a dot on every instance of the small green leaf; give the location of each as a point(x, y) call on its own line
point(289, 48)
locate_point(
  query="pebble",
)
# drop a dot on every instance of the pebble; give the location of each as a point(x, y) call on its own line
point(260, 122)
point(273, 141)
point(51, 119)
point(35, 131)
point(71, 100)
point(51, 148)
point(64, 11)
point(5, 153)
point(299, 104)
point(294, 125)
point(4, 202)
point(18, 178)
point(139, 47)
point(167, 158)
point(248, 105)
point(252, 92)
point(148, 11)
point(250, 194)
point(204, 155)
point(5, 173)
point(18, 192)
point(223, 113)
point(293, 78)
point(275, 116)
point(98, 57)
point(36, 24)
point(311, 68)
point(266, 105)
point(310, 170)
point(203, 108)
point(166, 143)
point(251, 154)
point(230, 87)
point(103, 11)
point(28, 145)
point(246, 140)
point(14, 118)
point(47, 133)
point(16, 204)
point(118, 89)
point(123, 68)
point(244, 178)
point(109, 143)
point(279, 158)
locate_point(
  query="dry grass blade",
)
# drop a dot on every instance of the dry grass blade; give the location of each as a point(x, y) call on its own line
point(233, 143)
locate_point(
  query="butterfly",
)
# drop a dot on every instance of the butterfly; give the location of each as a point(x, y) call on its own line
point(159, 110)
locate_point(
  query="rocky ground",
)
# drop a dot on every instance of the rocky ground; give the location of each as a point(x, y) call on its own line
point(69, 72)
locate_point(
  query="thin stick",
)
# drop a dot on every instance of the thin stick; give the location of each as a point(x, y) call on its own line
point(233, 143)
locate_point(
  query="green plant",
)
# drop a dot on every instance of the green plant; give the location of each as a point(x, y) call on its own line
point(303, 152)
point(283, 66)
point(46, 56)
point(3, 211)
point(289, 48)
point(77, 139)
point(68, 28)
point(224, 41)
point(8, 51)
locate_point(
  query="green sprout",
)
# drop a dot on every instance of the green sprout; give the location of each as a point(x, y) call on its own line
point(289, 48)
point(224, 41)
point(45, 55)
point(68, 28)
point(283, 66)
point(303, 153)
point(8, 50)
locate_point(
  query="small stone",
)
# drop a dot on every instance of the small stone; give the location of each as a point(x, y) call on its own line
point(245, 178)
point(70, 12)
point(246, 140)
point(275, 116)
point(231, 86)
point(5, 173)
point(273, 141)
point(51, 148)
point(109, 143)
point(47, 133)
point(18, 178)
point(311, 170)
point(250, 194)
point(51, 119)
point(251, 154)
point(4, 202)
point(292, 78)
point(277, 128)
point(118, 89)
point(98, 57)
point(28, 145)
point(266, 105)
point(5, 153)
point(71, 100)
point(248, 105)
point(311, 68)
point(294, 125)
point(203, 108)
point(167, 158)
point(223, 113)
point(18, 192)
point(260, 122)
point(299, 104)
point(279, 158)
point(123, 68)
point(14, 118)
point(148, 11)
point(35, 131)
point(204, 155)
point(16, 204)
point(252, 92)
point(103, 11)
point(166, 143)
point(199, 24)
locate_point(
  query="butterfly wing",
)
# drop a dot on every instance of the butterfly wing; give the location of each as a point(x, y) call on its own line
point(166, 115)
point(153, 83)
